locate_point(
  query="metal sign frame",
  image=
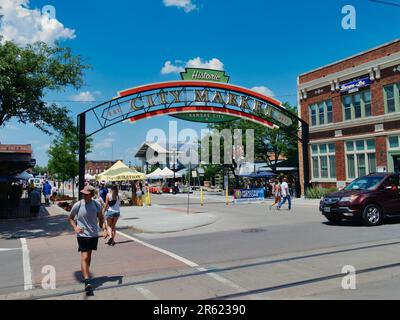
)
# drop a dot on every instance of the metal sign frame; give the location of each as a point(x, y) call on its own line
point(169, 98)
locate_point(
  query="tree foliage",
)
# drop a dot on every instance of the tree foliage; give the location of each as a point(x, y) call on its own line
point(63, 155)
point(269, 144)
point(29, 72)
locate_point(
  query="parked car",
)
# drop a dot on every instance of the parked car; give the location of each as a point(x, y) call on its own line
point(369, 198)
point(37, 182)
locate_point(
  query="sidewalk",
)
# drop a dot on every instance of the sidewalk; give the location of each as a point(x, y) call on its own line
point(158, 219)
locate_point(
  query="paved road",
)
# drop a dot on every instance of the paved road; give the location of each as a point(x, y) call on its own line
point(250, 252)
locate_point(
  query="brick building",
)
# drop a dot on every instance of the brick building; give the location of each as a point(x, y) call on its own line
point(94, 167)
point(353, 108)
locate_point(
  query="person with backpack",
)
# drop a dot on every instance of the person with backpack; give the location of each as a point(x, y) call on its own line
point(112, 213)
point(89, 216)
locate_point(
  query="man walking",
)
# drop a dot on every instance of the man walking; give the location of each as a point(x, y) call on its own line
point(285, 194)
point(87, 212)
point(35, 202)
point(47, 192)
point(103, 191)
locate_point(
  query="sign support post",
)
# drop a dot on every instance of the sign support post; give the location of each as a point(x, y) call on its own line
point(82, 146)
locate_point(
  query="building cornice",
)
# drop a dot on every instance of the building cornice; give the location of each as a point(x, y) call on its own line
point(356, 123)
point(351, 73)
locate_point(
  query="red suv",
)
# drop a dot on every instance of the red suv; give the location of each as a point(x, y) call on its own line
point(370, 198)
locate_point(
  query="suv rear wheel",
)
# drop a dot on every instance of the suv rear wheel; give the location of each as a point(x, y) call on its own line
point(372, 215)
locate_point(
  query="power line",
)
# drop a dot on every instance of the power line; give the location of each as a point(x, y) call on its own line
point(386, 2)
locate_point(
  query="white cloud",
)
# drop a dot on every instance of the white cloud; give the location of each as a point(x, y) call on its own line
point(23, 25)
point(198, 62)
point(11, 127)
point(264, 90)
point(170, 68)
point(112, 134)
point(186, 5)
point(83, 97)
point(105, 143)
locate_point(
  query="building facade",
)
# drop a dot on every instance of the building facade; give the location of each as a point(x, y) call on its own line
point(353, 109)
point(94, 167)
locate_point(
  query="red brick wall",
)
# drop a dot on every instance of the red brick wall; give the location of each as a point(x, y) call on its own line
point(350, 63)
point(381, 151)
point(340, 161)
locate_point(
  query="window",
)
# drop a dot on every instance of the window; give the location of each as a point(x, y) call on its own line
point(360, 158)
point(357, 105)
point(321, 113)
point(392, 98)
point(323, 161)
point(394, 142)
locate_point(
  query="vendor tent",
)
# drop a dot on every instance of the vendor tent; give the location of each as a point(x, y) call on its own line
point(155, 174)
point(89, 177)
point(120, 172)
point(167, 173)
point(24, 176)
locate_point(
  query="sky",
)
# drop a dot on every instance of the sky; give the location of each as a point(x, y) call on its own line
point(262, 45)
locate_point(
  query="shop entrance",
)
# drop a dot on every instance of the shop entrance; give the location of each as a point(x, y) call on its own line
point(396, 163)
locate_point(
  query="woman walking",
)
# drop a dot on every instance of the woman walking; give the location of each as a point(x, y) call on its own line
point(277, 193)
point(112, 210)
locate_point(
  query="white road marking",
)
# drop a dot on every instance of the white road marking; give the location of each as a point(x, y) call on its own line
point(9, 249)
point(191, 264)
point(146, 293)
point(27, 266)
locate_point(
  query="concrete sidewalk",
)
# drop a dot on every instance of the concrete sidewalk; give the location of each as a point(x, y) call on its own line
point(159, 219)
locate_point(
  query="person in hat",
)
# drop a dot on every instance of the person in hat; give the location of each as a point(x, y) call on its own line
point(89, 215)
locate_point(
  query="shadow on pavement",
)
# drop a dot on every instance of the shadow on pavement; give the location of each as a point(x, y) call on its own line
point(359, 223)
point(99, 281)
point(43, 226)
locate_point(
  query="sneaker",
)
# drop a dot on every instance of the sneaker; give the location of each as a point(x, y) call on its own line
point(88, 286)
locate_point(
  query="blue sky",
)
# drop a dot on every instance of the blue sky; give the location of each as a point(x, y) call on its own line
point(260, 43)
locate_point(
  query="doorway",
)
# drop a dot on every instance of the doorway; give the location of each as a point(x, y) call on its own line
point(396, 163)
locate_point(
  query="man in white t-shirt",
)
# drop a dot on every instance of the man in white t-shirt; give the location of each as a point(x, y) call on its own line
point(285, 195)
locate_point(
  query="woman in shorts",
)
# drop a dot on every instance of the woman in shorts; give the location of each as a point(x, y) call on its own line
point(112, 213)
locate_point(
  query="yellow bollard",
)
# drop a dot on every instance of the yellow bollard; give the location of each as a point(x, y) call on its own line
point(148, 198)
point(227, 198)
point(201, 197)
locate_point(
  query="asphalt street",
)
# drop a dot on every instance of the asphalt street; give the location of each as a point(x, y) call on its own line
point(248, 252)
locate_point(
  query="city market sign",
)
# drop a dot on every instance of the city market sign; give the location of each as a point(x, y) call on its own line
point(196, 100)
point(205, 117)
point(355, 85)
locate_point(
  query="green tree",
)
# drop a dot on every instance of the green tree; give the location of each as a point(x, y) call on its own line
point(39, 170)
point(29, 72)
point(269, 144)
point(63, 157)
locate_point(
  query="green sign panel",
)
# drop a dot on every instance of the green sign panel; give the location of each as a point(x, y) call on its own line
point(191, 74)
point(205, 117)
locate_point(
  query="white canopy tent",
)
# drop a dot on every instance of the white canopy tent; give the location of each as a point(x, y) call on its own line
point(167, 173)
point(24, 176)
point(155, 174)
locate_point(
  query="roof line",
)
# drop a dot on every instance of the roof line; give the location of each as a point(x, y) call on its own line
point(351, 57)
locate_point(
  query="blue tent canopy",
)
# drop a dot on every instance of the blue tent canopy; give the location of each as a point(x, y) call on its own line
point(259, 175)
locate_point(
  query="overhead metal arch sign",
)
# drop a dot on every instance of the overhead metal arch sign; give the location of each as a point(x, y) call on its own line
point(194, 100)
point(174, 97)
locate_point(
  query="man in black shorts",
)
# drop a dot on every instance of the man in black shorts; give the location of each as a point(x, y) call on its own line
point(87, 212)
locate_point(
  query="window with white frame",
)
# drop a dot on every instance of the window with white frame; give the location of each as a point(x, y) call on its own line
point(321, 113)
point(392, 98)
point(360, 158)
point(357, 105)
point(323, 161)
point(394, 142)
